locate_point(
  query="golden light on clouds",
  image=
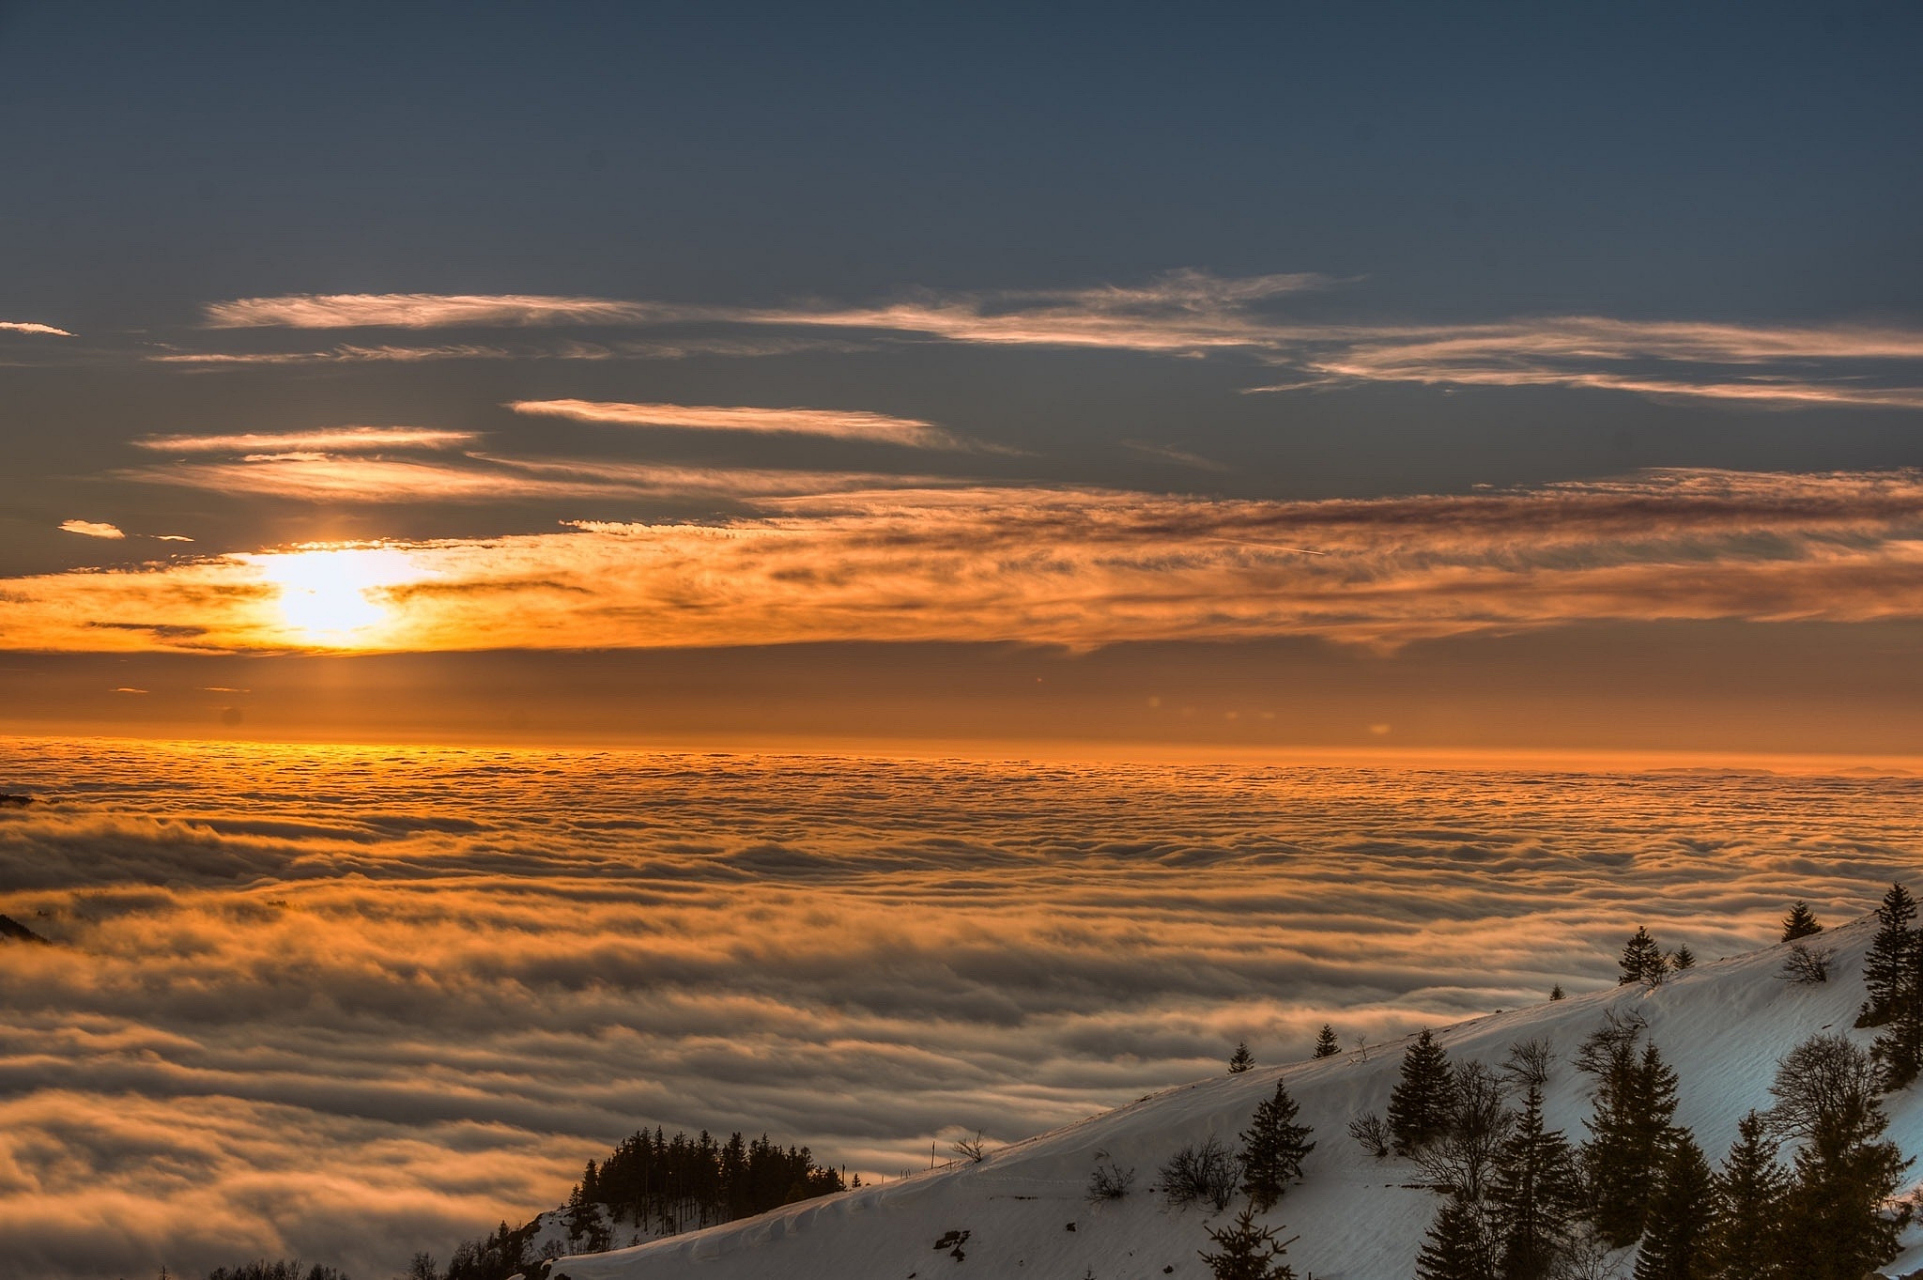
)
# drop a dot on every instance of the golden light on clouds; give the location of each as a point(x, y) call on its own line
point(1080, 568)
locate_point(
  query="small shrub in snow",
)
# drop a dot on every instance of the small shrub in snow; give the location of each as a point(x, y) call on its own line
point(1806, 964)
point(974, 1150)
point(1373, 1133)
point(1529, 1062)
point(1204, 1173)
point(1108, 1180)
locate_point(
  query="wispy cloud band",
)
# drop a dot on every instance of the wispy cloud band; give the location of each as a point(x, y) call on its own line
point(821, 557)
point(422, 311)
point(837, 424)
point(1193, 313)
point(324, 439)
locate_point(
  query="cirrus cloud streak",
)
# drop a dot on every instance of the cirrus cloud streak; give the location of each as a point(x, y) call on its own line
point(834, 424)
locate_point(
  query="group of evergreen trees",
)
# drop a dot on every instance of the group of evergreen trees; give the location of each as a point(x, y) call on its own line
point(1522, 1203)
point(1643, 961)
point(659, 1184)
point(665, 1185)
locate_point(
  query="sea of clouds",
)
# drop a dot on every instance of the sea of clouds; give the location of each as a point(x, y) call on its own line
point(350, 1003)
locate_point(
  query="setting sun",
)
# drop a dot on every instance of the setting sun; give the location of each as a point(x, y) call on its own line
point(329, 595)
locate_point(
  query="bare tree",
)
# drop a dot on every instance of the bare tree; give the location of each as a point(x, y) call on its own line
point(1372, 1131)
point(1463, 1158)
point(973, 1149)
point(1805, 964)
point(1529, 1062)
point(1207, 1173)
point(1825, 1089)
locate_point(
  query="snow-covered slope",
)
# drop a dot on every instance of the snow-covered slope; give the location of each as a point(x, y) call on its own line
point(1723, 1025)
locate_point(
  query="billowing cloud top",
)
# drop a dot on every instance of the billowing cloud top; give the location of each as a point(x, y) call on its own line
point(372, 1001)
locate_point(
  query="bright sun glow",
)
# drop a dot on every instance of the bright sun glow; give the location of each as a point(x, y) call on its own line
point(328, 594)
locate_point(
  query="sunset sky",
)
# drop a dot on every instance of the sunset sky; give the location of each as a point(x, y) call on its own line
point(1371, 380)
point(873, 574)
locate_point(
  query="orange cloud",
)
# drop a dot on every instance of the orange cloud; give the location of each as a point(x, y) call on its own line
point(837, 424)
point(824, 558)
point(28, 326)
point(91, 529)
point(421, 311)
point(334, 439)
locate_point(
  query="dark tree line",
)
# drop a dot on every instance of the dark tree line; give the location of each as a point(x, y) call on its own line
point(668, 1185)
point(659, 1185)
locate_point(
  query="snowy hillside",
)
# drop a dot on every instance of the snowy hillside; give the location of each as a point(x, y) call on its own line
point(1024, 1212)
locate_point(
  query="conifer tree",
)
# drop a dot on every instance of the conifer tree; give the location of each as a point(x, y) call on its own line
point(1273, 1148)
point(1885, 964)
point(1420, 1104)
point(1642, 961)
point(1246, 1251)
point(1630, 1130)
point(1898, 1051)
point(1744, 1239)
point(1800, 922)
point(1682, 958)
point(1241, 1060)
point(1681, 1209)
point(1326, 1045)
point(1536, 1193)
point(1556, 992)
point(1457, 1246)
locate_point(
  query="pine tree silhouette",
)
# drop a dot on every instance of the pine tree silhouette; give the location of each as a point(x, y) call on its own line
point(1681, 1208)
point(1536, 1193)
point(1642, 960)
point(1745, 1238)
point(1886, 963)
point(1630, 1130)
point(1457, 1246)
point(1420, 1104)
point(1273, 1148)
point(1241, 1060)
point(1682, 958)
point(1898, 1051)
point(1556, 992)
point(1800, 922)
point(1246, 1251)
point(1326, 1045)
